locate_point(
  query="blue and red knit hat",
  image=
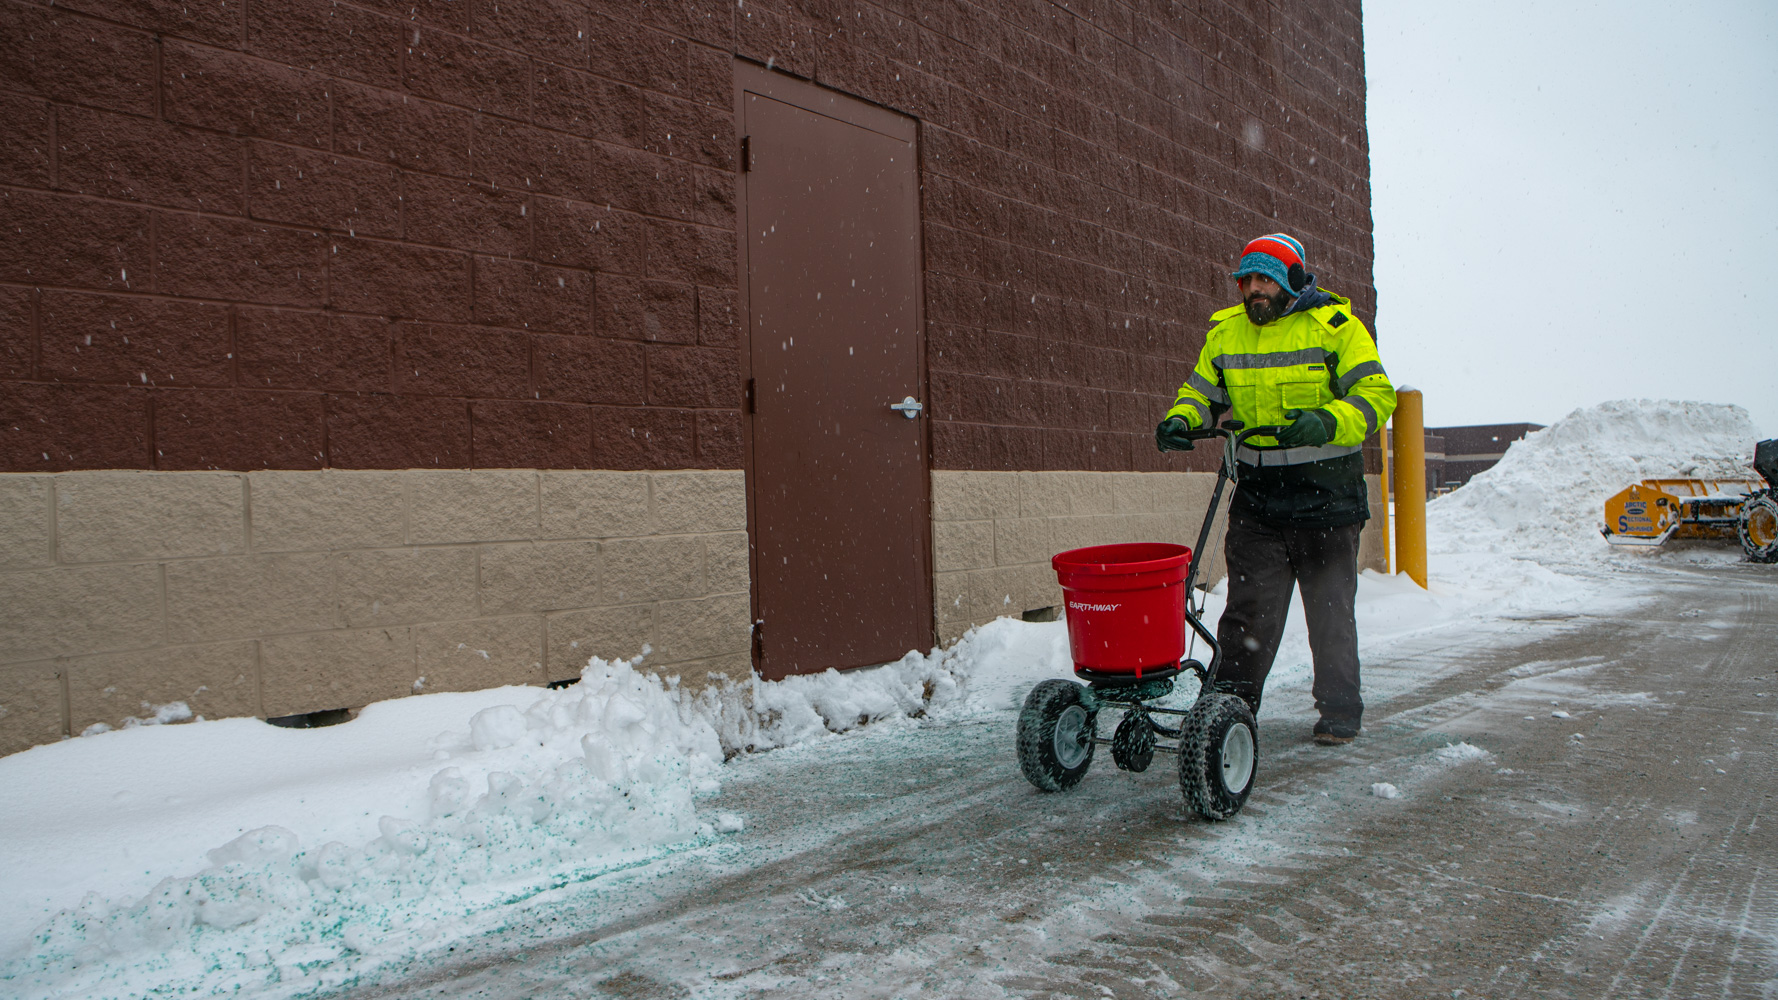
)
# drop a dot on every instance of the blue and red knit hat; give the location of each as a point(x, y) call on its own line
point(1274, 256)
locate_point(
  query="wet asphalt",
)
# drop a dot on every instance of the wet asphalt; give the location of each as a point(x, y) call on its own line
point(1627, 847)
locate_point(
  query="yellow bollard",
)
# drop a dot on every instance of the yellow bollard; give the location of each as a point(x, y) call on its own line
point(1410, 484)
point(1388, 508)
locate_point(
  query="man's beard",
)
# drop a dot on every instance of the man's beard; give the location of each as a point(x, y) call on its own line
point(1263, 309)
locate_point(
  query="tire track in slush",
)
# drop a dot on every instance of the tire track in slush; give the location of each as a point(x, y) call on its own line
point(1721, 917)
point(1682, 934)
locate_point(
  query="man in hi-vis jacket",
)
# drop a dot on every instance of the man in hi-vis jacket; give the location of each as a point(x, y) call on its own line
point(1291, 354)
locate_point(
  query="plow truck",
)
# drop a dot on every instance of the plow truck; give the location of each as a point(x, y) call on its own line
point(1654, 511)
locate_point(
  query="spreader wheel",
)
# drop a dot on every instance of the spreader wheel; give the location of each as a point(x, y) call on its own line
point(1758, 527)
point(1218, 755)
point(1132, 745)
point(1056, 733)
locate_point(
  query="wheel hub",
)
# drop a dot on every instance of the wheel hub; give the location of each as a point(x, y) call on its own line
point(1237, 758)
point(1071, 740)
point(1762, 527)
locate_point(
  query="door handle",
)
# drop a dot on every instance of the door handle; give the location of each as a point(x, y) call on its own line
point(909, 407)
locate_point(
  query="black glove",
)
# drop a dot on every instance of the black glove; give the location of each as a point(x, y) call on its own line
point(1169, 435)
point(1308, 428)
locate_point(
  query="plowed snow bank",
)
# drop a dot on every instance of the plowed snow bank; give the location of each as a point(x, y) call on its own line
point(1544, 500)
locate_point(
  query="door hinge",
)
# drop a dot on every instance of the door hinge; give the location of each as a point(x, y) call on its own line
point(746, 153)
point(759, 642)
point(747, 397)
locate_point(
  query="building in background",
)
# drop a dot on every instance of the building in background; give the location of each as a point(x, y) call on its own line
point(350, 351)
point(1435, 463)
point(1465, 451)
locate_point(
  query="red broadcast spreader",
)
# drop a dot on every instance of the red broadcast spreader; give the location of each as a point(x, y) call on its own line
point(1125, 607)
point(1131, 607)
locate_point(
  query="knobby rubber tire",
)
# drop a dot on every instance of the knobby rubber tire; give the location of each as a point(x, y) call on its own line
point(1044, 708)
point(1763, 508)
point(1201, 755)
point(1132, 745)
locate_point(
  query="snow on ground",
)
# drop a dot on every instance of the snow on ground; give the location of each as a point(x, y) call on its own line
point(223, 855)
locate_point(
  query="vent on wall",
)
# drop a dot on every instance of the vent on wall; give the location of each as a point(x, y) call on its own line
point(315, 720)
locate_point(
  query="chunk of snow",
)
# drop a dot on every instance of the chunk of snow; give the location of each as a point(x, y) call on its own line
point(268, 843)
point(496, 728)
point(1459, 752)
point(153, 715)
point(1384, 790)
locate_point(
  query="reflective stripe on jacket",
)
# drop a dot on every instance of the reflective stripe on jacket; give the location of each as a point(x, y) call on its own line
point(1316, 357)
point(1320, 358)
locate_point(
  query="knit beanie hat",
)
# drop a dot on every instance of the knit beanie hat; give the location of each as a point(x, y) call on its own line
point(1278, 257)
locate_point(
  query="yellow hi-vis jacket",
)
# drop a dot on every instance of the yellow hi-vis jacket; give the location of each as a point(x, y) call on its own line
point(1319, 358)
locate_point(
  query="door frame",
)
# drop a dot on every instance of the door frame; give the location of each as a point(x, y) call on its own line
point(752, 77)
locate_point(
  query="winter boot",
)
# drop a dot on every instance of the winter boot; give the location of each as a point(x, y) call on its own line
point(1331, 731)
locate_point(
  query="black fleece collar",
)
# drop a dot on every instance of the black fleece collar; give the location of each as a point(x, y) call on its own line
point(1314, 298)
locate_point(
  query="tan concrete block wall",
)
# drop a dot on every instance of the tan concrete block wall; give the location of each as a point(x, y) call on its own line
point(25, 537)
point(1372, 552)
point(278, 593)
point(993, 533)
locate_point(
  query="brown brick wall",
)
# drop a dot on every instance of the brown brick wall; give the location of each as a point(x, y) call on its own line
point(1089, 177)
point(304, 233)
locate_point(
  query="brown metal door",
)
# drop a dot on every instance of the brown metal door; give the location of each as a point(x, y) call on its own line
point(837, 480)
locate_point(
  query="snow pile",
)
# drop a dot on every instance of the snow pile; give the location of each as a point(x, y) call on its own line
point(999, 663)
point(1544, 500)
point(755, 715)
point(990, 669)
point(1522, 538)
point(273, 858)
point(153, 715)
point(554, 788)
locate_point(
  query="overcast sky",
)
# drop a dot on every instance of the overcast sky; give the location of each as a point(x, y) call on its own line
point(1575, 202)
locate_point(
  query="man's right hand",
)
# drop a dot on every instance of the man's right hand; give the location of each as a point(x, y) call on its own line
point(1169, 435)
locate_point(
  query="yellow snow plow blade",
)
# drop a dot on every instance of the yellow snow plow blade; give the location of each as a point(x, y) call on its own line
point(1655, 510)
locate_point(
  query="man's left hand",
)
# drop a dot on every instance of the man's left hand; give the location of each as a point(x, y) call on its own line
point(1308, 429)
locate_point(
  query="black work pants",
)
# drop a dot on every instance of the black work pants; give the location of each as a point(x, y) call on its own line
point(1264, 563)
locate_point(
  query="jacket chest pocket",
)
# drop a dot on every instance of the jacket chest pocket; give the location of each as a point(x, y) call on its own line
point(1242, 400)
point(1306, 394)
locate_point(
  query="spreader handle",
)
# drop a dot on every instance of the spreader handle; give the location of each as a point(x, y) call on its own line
point(1234, 429)
point(1252, 432)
